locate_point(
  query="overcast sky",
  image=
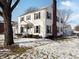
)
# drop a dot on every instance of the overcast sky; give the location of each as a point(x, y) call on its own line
point(65, 4)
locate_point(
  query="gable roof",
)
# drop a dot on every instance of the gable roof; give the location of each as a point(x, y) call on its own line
point(37, 9)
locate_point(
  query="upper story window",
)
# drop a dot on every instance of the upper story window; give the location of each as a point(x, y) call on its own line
point(22, 19)
point(48, 29)
point(48, 15)
point(37, 29)
point(37, 15)
point(28, 17)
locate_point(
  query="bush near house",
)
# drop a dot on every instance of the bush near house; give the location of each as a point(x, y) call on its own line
point(19, 35)
point(31, 36)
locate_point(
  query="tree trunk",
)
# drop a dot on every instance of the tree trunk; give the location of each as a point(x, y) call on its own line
point(54, 19)
point(8, 28)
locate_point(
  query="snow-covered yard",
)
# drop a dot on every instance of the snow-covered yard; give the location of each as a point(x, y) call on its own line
point(31, 42)
point(47, 49)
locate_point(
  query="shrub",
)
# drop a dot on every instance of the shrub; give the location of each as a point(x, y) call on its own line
point(31, 36)
point(18, 35)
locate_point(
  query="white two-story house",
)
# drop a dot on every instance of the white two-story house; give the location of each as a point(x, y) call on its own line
point(39, 22)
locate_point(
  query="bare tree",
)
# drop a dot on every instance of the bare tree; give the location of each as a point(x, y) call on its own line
point(6, 8)
point(54, 26)
point(65, 14)
point(31, 9)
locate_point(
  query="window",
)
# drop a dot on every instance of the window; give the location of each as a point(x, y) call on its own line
point(22, 29)
point(48, 15)
point(58, 19)
point(58, 29)
point(48, 29)
point(28, 17)
point(37, 15)
point(61, 21)
point(37, 29)
point(61, 30)
point(22, 19)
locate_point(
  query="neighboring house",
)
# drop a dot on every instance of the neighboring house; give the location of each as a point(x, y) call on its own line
point(15, 30)
point(39, 23)
point(76, 30)
point(67, 30)
point(14, 26)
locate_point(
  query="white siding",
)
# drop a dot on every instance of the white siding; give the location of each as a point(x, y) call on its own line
point(43, 22)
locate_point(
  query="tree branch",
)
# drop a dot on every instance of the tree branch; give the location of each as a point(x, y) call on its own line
point(1, 5)
point(9, 1)
point(15, 4)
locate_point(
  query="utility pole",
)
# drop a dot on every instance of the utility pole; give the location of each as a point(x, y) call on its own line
point(54, 26)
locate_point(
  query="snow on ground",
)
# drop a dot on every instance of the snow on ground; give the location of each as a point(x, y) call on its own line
point(30, 42)
point(47, 49)
point(59, 50)
point(66, 49)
